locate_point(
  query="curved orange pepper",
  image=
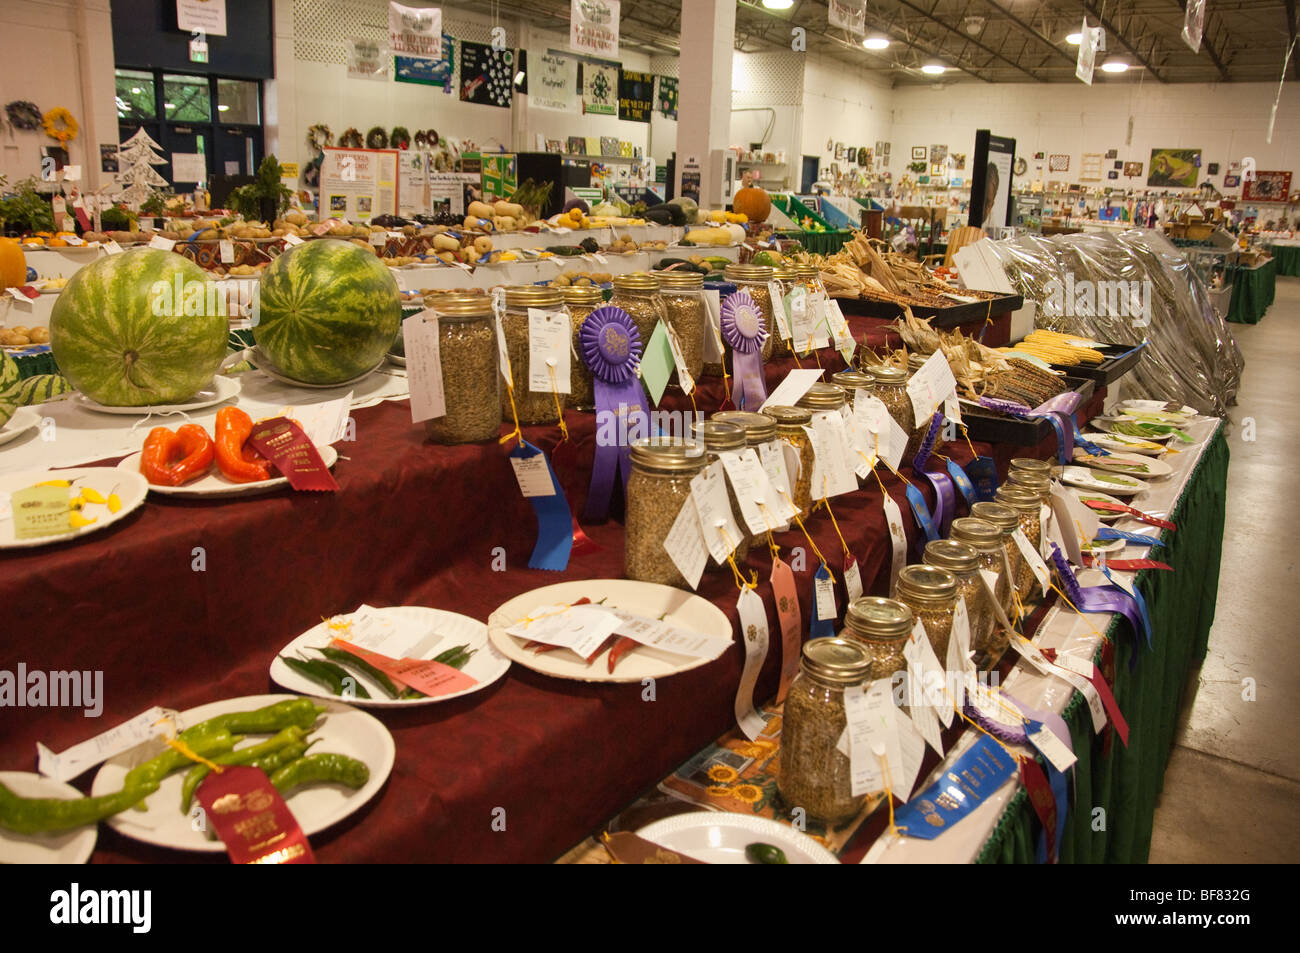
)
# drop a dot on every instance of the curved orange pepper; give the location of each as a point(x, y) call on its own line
point(237, 462)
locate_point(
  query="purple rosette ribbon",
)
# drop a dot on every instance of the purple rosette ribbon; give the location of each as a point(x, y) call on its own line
point(945, 500)
point(744, 331)
point(1058, 411)
point(1108, 598)
point(611, 348)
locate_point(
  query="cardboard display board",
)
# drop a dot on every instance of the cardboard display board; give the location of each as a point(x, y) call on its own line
point(358, 184)
point(991, 180)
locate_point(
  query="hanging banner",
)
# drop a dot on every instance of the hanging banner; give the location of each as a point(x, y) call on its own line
point(367, 59)
point(1193, 23)
point(554, 81)
point(415, 31)
point(357, 184)
point(427, 72)
point(668, 96)
point(848, 15)
point(635, 95)
point(486, 75)
point(201, 16)
point(593, 26)
point(599, 88)
point(1089, 43)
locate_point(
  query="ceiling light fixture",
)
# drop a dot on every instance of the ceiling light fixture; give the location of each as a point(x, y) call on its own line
point(933, 69)
point(876, 42)
point(777, 4)
point(1114, 66)
point(223, 108)
point(1074, 39)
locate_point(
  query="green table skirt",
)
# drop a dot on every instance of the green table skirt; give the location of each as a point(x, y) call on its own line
point(1252, 292)
point(818, 243)
point(1286, 258)
point(1114, 792)
point(37, 360)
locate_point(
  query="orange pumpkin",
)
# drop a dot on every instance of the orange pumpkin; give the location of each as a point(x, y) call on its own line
point(754, 203)
point(13, 264)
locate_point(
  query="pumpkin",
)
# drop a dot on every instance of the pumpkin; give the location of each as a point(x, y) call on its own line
point(754, 203)
point(13, 264)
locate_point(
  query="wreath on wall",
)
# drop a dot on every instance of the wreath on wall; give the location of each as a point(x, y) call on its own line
point(60, 126)
point(351, 138)
point(23, 115)
point(400, 137)
point(319, 136)
point(377, 138)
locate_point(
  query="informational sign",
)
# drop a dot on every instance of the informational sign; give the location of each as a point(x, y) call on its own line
point(991, 180)
point(848, 15)
point(593, 26)
point(201, 16)
point(552, 81)
point(636, 95)
point(667, 99)
point(189, 167)
point(417, 69)
point(452, 190)
point(1090, 41)
point(358, 184)
point(691, 178)
point(600, 89)
point(412, 182)
point(415, 31)
point(367, 59)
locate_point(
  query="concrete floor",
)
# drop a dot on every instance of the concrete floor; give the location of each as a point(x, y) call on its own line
point(1232, 787)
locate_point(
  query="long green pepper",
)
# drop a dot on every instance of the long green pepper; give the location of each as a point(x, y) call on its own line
point(30, 815)
point(243, 756)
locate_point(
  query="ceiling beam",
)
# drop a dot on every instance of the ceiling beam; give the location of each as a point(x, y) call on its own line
point(1130, 45)
point(952, 29)
point(1207, 44)
point(1026, 28)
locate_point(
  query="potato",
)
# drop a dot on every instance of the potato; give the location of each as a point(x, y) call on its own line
point(296, 217)
point(39, 335)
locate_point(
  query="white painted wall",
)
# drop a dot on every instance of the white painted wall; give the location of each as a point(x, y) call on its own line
point(841, 104)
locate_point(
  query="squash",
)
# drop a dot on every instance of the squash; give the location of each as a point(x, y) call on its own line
point(481, 210)
point(754, 203)
point(13, 264)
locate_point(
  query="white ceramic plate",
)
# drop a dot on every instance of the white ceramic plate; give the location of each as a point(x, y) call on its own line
point(1180, 421)
point(1106, 425)
point(1148, 406)
point(221, 389)
point(1086, 479)
point(486, 665)
point(397, 359)
point(718, 837)
point(1125, 444)
point(1107, 546)
point(342, 730)
point(1104, 515)
point(131, 489)
point(1113, 463)
point(263, 364)
point(644, 598)
point(23, 420)
point(214, 485)
point(69, 847)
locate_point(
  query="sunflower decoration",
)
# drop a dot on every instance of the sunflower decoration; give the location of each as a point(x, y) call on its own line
point(23, 115)
point(60, 126)
point(377, 138)
point(749, 793)
point(722, 773)
point(351, 138)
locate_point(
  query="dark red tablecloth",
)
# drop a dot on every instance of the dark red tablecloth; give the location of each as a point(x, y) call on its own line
point(185, 603)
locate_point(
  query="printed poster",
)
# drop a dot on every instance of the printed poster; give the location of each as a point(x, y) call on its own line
point(554, 81)
point(486, 75)
point(636, 99)
point(415, 31)
point(599, 88)
point(427, 72)
point(357, 184)
point(201, 16)
point(668, 96)
point(367, 59)
point(593, 26)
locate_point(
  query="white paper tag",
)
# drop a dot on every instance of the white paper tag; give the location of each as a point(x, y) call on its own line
point(580, 628)
point(533, 475)
point(803, 318)
point(751, 487)
point(872, 736)
point(754, 635)
point(959, 650)
point(684, 377)
point(1033, 558)
point(424, 366)
point(291, 239)
point(990, 579)
point(1053, 749)
point(845, 343)
point(778, 310)
point(989, 705)
point(549, 336)
point(1072, 663)
point(227, 251)
point(1077, 522)
point(853, 582)
point(685, 544)
point(713, 351)
point(911, 744)
point(772, 456)
point(824, 592)
point(323, 423)
point(668, 637)
point(1123, 580)
point(832, 471)
point(379, 239)
point(112, 247)
point(926, 676)
point(897, 539)
point(164, 244)
point(503, 354)
point(709, 491)
point(66, 765)
point(818, 310)
point(932, 382)
point(74, 240)
point(795, 385)
point(1045, 518)
point(952, 408)
point(391, 633)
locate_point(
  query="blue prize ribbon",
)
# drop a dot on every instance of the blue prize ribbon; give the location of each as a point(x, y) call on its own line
point(1087, 445)
point(820, 628)
point(958, 791)
point(554, 519)
point(1060, 795)
point(963, 482)
point(1140, 539)
point(983, 473)
point(922, 513)
point(1141, 607)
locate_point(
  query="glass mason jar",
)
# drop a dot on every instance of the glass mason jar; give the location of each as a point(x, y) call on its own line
point(986, 540)
point(962, 560)
point(881, 626)
point(852, 380)
point(931, 594)
point(1026, 503)
point(1031, 465)
point(1039, 484)
point(533, 407)
point(719, 437)
point(914, 362)
point(581, 302)
point(753, 279)
point(683, 297)
point(723, 288)
point(658, 487)
point(790, 422)
point(820, 397)
point(810, 277)
point(812, 772)
point(786, 279)
point(891, 389)
point(759, 428)
point(1008, 521)
point(471, 378)
point(638, 294)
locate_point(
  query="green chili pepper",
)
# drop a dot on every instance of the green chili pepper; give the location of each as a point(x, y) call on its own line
point(765, 854)
point(325, 673)
point(155, 769)
point(451, 653)
point(317, 768)
point(243, 756)
point(286, 755)
point(349, 660)
point(302, 712)
point(32, 815)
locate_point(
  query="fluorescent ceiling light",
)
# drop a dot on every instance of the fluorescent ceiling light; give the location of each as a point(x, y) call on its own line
point(222, 108)
point(1114, 66)
point(1074, 39)
point(934, 69)
point(778, 4)
point(876, 42)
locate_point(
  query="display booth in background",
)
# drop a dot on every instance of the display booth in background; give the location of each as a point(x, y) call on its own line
point(990, 193)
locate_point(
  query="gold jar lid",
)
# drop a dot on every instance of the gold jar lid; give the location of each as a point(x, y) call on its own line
point(580, 294)
point(679, 280)
point(1039, 483)
point(836, 661)
point(914, 361)
point(926, 585)
point(1032, 465)
point(718, 435)
point(1001, 516)
point(759, 428)
point(979, 533)
point(823, 397)
point(952, 555)
point(886, 374)
point(851, 379)
point(737, 272)
point(462, 307)
point(533, 296)
point(787, 416)
point(667, 453)
point(878, 619)
point(639, 281)
point(1019, 498)
point(784, 273)
point(807, 271)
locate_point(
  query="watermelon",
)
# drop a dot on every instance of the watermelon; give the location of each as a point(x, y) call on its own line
point(16, 391)
point(328, 311)
point(141, 328)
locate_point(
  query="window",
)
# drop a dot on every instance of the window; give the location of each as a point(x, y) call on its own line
point(186, 98)
point(135, 95)
point(237, 102)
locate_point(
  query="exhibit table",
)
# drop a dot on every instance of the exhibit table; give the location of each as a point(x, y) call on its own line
point(1252, 291)
point(1286, 256)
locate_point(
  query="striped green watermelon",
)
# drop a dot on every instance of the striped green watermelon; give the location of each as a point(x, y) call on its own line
point(140, 328)
point(16, 391)
point(328, 311)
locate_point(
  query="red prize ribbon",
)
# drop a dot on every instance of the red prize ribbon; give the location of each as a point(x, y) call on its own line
point(1136, 514)
point(251, 818)
point(1043, 801)
point(282, 442)
point(1128, 565)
